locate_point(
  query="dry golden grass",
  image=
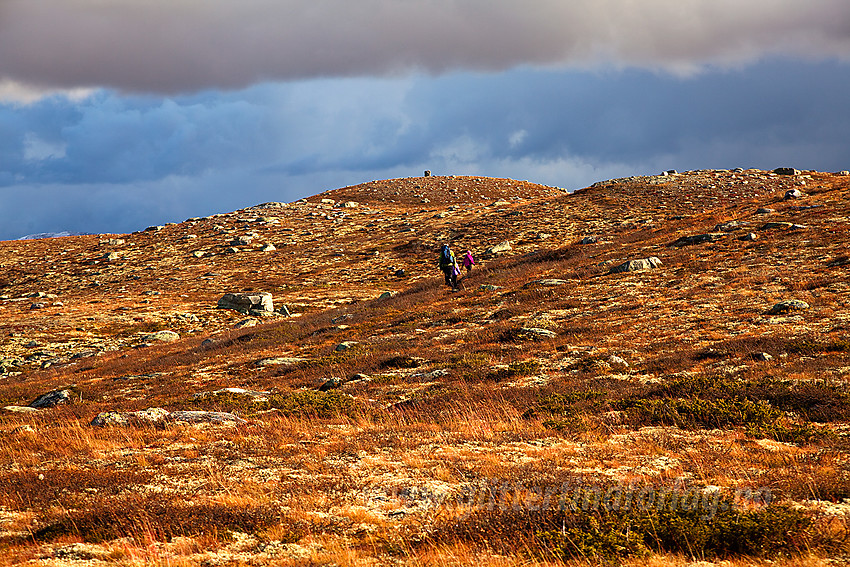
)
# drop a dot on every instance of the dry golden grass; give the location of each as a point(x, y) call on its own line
point(650, 380)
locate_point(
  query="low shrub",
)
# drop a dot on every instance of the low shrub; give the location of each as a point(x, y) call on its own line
point(564, 404)
point(610, 534)
point(313, 403)
point(695, 413)
point(519, 368)
point(815, 400)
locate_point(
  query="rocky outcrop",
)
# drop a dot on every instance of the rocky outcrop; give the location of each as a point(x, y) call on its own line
point(162, 337)
point(699, 239)
point(51, 399)
point(159, 416)
point(194, 417)
point(248, 303)
point(150, 416)
point(788, 306)
point(499, 248)
point(640, 265)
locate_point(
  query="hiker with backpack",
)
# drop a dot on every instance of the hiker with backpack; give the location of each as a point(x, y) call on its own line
point(449, 266)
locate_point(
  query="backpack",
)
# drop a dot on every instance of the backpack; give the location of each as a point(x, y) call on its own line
point(446, 257)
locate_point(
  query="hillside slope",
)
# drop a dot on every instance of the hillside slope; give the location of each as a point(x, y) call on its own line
point(369, 427)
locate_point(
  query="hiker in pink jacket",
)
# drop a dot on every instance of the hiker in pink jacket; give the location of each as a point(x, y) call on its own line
point(467, 261)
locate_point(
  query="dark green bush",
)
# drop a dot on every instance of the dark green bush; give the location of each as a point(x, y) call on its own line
point(694, 413)
point(608, 535)
point(310, 402)
point(564, 404)
point(519, 368)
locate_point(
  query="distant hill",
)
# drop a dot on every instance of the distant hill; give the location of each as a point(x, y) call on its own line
point(679, 343)
point(41, 235)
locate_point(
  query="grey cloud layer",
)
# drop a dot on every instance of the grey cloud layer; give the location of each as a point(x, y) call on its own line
point(185, 45)
point(112, 163)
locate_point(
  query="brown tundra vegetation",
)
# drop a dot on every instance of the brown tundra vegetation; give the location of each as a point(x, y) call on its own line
point(557, 408)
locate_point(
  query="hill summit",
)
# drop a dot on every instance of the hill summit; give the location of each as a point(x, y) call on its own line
point(293, 382)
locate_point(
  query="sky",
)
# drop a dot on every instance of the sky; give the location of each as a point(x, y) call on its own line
point(120, 114)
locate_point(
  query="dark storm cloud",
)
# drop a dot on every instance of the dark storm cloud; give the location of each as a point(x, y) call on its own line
point(111, 163)
point(185, 45)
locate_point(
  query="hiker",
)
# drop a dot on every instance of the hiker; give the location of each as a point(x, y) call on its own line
point(467, 261)
point(449, 266)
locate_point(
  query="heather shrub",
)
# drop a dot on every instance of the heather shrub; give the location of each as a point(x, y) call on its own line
point(603, 534)
point(313, 403)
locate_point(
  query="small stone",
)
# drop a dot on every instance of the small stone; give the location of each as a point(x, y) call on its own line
point(284, 310)
point(268, 248)
point(107, 418)
point(385, 295)
point(345, 345)
point(793, 194)
point(730, 226)
point(548, 282)
point(255, 394)
point(589, 240)
point(500, 248)
point(489, 287)
point(762, 356)
point(776, 225)
point(280, 361)
point(331, 384)
point(194, 417)
point(244, 323)
point(699, 239)
point(241, 241)
point(641, 265)
point(162, 337)
point(749, 237)
point(764, 211)
point(537, 333)
point(786, 171)
point(788, 305)
point(51, 399)
point(21, 409)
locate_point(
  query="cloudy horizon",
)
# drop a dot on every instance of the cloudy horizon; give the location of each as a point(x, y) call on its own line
point(115, 116)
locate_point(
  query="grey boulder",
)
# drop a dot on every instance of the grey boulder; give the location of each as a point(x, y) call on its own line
point(247, 302)
point(640, 265)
